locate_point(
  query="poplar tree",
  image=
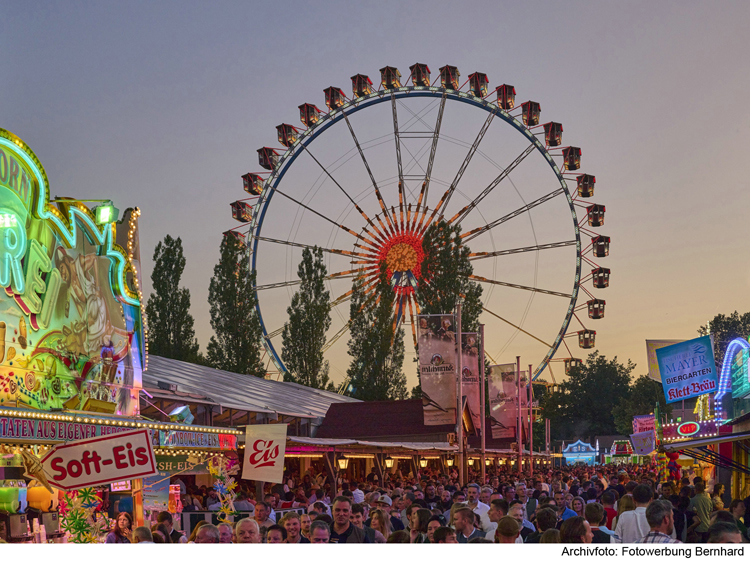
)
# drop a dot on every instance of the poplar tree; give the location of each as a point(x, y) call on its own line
point(171, 328)
point(377, 349)
point(304, 335)
point(237, 341)
point(445, 276)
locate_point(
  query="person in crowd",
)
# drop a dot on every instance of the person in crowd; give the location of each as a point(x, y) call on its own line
point(304, 521)
point(261, 516)
point(609, 499)
point(241, 504)
point(398, 537)
point(507, 531)
point(196, 528)
point(320, 533)
point(723, 533)
point(357, 518)
point(550, 536)
point(276, 534)
point(382, 523)
point(436, 521)
point(701, 505)
point(576, 530)
point(122, 530)
point(445, 535)
point(176, 536)
point(160, 534)
point(596, 517)
point(717, 496)
point(625, 504)
point(420, 518)
point(498, 509)
point(343, 531)
point(226, 533)
point(579, 505)
point(633, 525)
point(208, 534)
point(546, 518)
point(142, 535)
point(247, 531)
point(524, 526)
point(737, 508)
point(464, 525)
point(292, 524)
point(660, 518)
point(564, 513)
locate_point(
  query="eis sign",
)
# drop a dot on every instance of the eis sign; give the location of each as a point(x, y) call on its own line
point(265, 446)
point(688, 369)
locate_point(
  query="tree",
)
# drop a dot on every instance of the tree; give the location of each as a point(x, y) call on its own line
point(724, 329)
point(640, 400)
point(170, 326)
point(231, 295)
point(583, 406)
point(304, 335)
point(376, 347)
point(444, 279)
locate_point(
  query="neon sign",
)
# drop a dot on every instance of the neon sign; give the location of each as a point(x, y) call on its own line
point(689, 428)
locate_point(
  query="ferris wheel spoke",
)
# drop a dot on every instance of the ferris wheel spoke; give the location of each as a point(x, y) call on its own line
point(472, 234)
point(483, 255)
point(411, 319)
point(467, 160)
point(334, 276)
point(398, 143)
point(519, 328)
point(348, 253)
point(324, 217)
point(476, 278)
point(461, 215)
point(433, 149)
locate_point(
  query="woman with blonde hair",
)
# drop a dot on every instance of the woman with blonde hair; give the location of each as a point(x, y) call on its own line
point(454, 507)
point(578, 506)
point(625, 504)
point(380, 522)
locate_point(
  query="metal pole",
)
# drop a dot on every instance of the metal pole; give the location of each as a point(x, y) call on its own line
point(481, 401)
point(518, 413)
point(459, 404)
point(531, 425)
point(546, 435)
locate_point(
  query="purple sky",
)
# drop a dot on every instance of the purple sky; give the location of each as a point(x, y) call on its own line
point(162, 107)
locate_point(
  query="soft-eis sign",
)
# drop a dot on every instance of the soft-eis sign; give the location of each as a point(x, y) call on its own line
point(265, 446)
point(101, 460)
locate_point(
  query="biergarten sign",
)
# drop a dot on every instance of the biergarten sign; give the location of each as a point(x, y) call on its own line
point(688, 369)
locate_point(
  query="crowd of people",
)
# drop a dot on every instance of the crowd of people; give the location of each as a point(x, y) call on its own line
point(603, 504)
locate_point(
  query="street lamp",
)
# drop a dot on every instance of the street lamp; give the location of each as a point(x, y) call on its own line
point(449, 461)
point(389, 462)
point(423, 463)
point(343, 463)
point(471, 462)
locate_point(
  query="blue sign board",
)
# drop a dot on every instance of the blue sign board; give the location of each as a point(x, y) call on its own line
point(688, 369)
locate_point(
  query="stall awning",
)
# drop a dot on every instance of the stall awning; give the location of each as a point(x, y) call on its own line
point(325, 443)
point(696, 443)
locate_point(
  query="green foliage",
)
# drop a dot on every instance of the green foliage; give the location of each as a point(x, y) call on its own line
point(640, 400)
point(724, 329)
point(377, 351)
point(416, 392)
point(171, 330)
point(584, 405)
point(304, 334)
point(445, 276)
point(236, 344)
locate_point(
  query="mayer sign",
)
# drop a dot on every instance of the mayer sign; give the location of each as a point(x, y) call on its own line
point(688, 369)
point(100, 460)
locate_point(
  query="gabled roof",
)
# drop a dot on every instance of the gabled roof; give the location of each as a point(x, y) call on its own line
point(371, 419)
point(237, 391)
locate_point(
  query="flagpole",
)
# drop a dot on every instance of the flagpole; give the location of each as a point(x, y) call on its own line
point(531, 425)
point(482, 421)
point(459, 404)
point(518, 415)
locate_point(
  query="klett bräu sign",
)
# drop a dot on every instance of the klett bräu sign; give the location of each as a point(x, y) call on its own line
point(688, 369)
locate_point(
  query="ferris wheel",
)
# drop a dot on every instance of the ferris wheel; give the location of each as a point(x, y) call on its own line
point(365, 180)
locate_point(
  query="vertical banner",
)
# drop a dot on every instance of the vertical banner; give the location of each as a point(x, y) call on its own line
point(265, 446)
point(437, 368)
point(503, 397)
point(688, 369)
point(470, 375)
point(643, 443)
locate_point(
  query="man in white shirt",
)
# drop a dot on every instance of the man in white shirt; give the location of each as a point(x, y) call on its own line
point(632, 525)
point(359, 496)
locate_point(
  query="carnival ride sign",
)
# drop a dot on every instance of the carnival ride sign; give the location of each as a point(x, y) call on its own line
point(265, 447)
point(100, 460)
point(688, 369)
point(71, 335)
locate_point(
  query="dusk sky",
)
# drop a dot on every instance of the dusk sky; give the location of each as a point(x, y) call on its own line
point(162, 106)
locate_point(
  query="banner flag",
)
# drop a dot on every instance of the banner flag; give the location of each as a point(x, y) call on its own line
point(503, 397)
point(437, 368)
point(265, 446)
point(643, 443)
point(653, 364)
point(643, 423)
point(688, 369)
point(470, 375)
